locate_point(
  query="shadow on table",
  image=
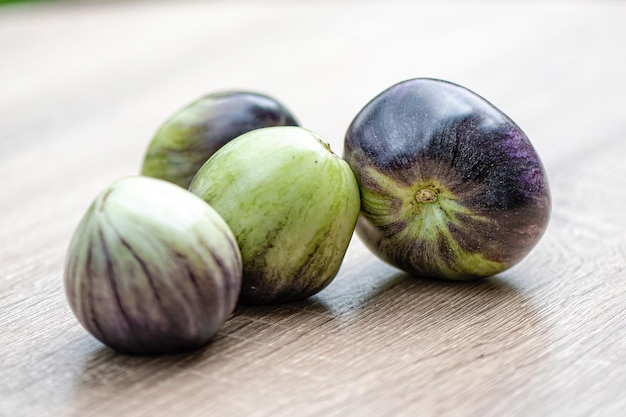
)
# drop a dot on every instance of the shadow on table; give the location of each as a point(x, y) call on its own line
point(425, 322)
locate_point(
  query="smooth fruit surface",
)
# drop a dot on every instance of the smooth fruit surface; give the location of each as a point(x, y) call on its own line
point(292, 205)
point(151, 268)
point(450, 186)
point(189, 138)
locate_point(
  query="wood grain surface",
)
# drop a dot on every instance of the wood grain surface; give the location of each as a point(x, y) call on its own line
point(84, 86)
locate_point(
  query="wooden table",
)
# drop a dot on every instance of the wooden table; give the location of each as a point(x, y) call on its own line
point(83, 87)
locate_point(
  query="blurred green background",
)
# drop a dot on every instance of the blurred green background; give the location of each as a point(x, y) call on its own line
point(3, 2)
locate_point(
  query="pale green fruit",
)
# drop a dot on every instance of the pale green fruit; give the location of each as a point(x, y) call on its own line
point(152, 268)
point(292, 205)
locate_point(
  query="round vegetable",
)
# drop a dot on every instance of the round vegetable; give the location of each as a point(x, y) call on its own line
point(451, 187)
point(152, 268)
point(292, 205)
point(188, 138)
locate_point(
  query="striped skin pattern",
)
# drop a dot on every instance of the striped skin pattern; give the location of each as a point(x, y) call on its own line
point(292, 205)
point(450, 186)
point(189, 138)
point(152, 268)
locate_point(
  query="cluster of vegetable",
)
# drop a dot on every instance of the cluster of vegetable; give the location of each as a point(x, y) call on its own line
point(238, 204)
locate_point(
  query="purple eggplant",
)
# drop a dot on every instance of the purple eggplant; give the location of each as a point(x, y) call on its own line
point(450, 186)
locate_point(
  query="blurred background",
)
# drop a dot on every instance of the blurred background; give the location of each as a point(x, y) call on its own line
point(134, 63)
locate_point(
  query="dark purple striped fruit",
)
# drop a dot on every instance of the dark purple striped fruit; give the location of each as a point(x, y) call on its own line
point(189, 138)
point(450, 186)
point(152, 268)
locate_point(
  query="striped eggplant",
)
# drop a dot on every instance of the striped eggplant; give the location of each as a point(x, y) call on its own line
point(451, 187)
point(152, 268)
point(292, 205)
point(188, 138)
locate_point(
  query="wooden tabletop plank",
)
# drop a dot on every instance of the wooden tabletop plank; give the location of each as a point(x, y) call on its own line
point(84, 86)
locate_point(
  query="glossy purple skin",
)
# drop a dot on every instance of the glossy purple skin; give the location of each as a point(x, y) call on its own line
point(425, 131)
point(193, 134)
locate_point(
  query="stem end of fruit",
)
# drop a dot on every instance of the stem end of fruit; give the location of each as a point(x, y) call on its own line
point(425, 195)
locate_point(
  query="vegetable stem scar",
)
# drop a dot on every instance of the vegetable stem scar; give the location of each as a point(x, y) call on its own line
point(426, 195)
